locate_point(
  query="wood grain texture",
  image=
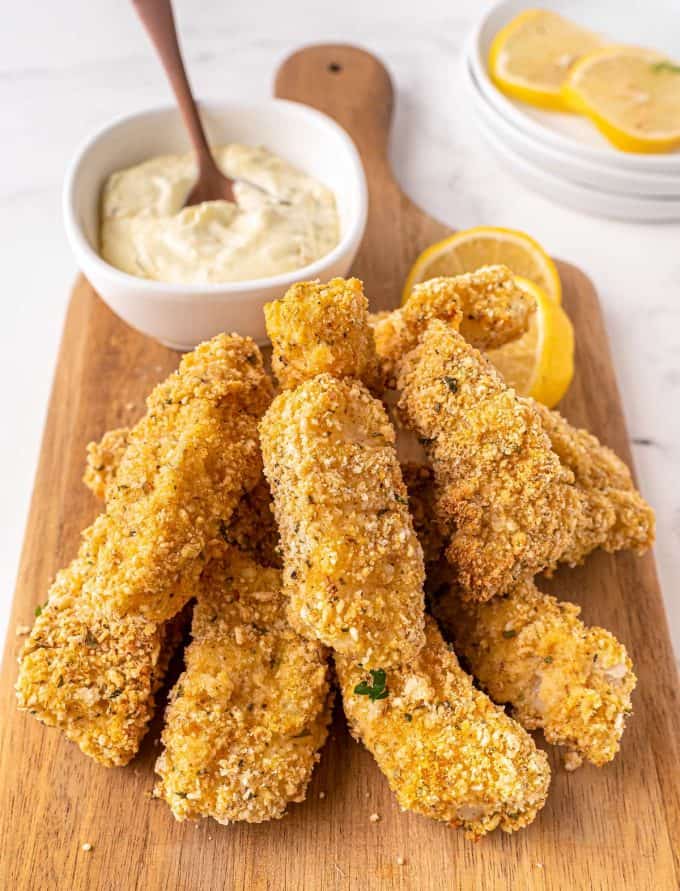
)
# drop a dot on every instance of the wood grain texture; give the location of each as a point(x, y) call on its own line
point(616, 828)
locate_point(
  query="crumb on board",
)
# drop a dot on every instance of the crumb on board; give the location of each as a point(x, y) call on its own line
point(400, 861)
point(572, 761)
point(86, 846)
point(22, 630)
point(322, 794)
point(374, 818)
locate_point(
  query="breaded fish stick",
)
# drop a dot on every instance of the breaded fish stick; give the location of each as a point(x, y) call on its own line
point(446, 750)
point(249, 714)
point(92, 662)
point(353, 566)
point(615, 516)
point(534, 653)
point(239, 603)
point(252, 527)
point(506, 504)
point(91, 674)
point(317, 328)
point(186, 465)
point(486, 306)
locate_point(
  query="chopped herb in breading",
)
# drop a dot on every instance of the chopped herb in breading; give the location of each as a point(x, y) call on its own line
point(377, 689)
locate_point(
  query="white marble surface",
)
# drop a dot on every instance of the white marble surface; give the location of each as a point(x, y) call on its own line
point(66, 68)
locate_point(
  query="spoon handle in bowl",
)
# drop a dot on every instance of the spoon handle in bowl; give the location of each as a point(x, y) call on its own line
point(157, 18)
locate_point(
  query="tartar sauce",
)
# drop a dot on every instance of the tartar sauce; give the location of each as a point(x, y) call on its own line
point(286, 223)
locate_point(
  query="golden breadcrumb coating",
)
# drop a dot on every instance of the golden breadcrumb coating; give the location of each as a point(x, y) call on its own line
point(317, 328)
point(534, 653)
point(249, 714)
point(99, 648)
point(103, 458)
point(486, 306)
point(91, 674)
point(446, 750)
point(615, 516)
point(353, 566)
point(252, 527)
point(186, 465)
point(504, 501)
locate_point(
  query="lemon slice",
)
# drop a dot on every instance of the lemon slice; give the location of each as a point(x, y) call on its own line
point(485, 246)
point(530, 57)
point(541, 363)
point(632, 95)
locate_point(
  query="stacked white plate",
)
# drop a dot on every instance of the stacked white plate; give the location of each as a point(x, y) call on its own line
point(564, 156)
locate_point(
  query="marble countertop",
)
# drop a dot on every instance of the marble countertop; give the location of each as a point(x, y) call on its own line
point(64, 73)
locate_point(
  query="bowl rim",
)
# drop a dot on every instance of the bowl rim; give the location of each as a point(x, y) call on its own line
point(82, 247)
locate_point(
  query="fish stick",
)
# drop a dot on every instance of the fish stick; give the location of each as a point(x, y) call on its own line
point(186, 465)
point(486, 306)
point(249, 714)
point(446, 750)
point(534, 653)
point(504, 501)
point(91, 674)
point(251, 528)
point(262, 789)
point(530, 651)
point(489, 309)
point(615, 516)
point(92, 664)
point(322, 328)
point(353, 568)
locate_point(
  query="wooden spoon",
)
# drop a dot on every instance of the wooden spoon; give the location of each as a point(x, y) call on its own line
point(157, 18)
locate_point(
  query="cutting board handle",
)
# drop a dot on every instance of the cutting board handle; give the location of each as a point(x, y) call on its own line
point(353, 87)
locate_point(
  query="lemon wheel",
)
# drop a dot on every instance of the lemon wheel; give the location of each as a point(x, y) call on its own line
point(484, 246)
point(631, 95)
point(530, 57)
point(541, 363)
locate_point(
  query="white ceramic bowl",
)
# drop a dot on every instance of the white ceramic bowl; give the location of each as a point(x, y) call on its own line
point(182, 316)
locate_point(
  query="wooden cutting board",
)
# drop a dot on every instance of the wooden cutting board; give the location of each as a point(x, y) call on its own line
point(615, 828)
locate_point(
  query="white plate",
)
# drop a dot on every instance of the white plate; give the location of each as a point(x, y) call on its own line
point(580, 170)
point(657, 28)
point(563, 191)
